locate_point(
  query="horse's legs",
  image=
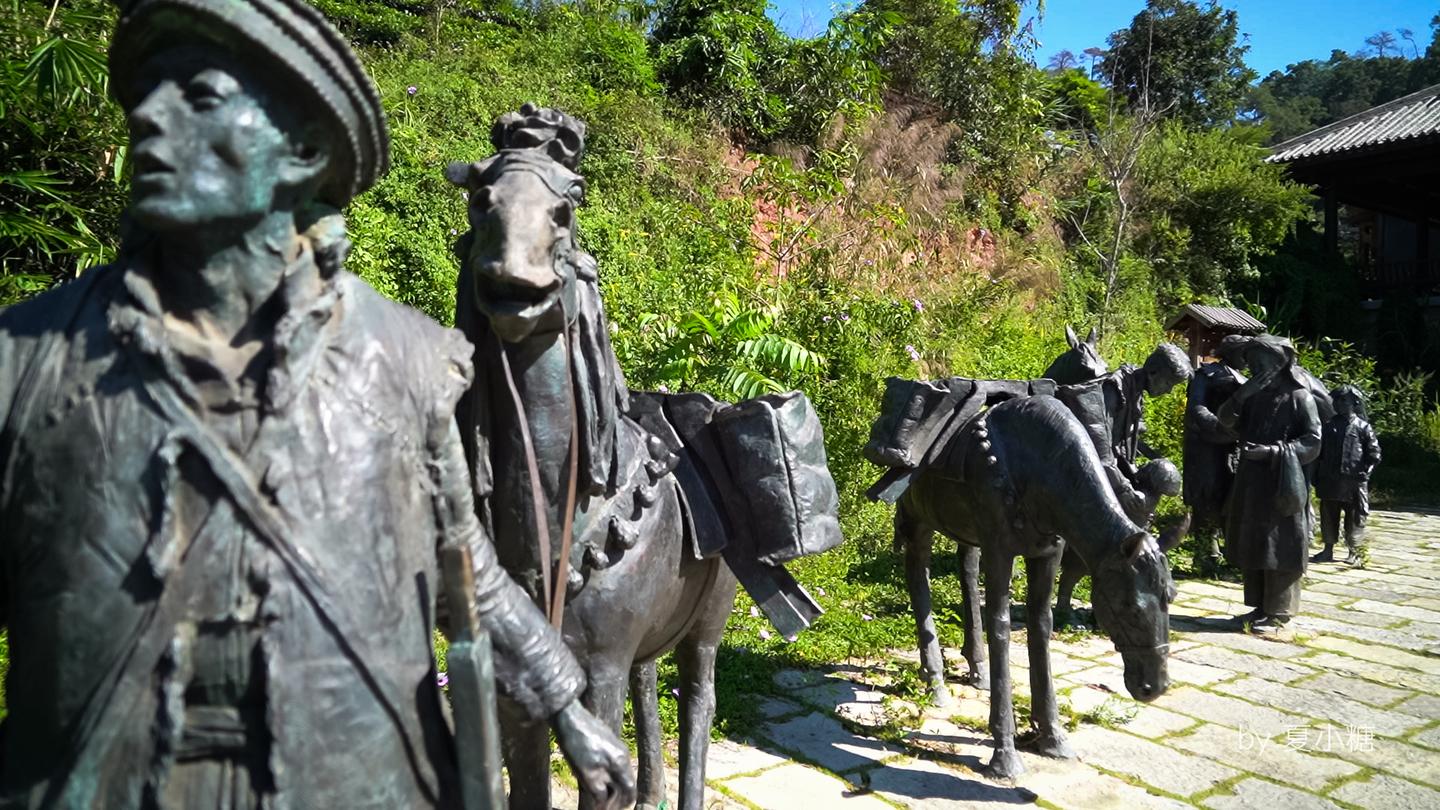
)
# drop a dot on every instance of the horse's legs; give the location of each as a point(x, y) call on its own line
point(695, 660)
point(918, 540)
point(605, 698)
point(973, 647)
point(645, 705)
point(1044, 714)
point(999, 566)
point(526, 746)
point(1072, 570)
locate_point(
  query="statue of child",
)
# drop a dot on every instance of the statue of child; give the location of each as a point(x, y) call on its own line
point(1349, 451)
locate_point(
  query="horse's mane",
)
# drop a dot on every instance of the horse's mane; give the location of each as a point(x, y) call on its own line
point(1055, 470)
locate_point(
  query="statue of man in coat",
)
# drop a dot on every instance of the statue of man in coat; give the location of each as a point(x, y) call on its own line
point(228, 468)
point(1268, 521)
point(1210, 447)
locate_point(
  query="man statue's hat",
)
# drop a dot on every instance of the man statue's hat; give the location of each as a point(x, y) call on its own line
point(295, 40)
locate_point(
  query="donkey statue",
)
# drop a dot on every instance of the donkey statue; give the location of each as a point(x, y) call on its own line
point(608, 506)
point(1011, 473)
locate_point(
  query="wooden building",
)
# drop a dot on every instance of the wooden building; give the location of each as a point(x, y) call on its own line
point(1204, 326)
point(1383, 165)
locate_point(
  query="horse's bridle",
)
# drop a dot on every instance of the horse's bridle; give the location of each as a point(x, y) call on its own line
point(553, 588)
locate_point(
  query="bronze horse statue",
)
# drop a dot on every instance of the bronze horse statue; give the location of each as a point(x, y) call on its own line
point(595, 502)
point(1008, 477)
point(1081, 362)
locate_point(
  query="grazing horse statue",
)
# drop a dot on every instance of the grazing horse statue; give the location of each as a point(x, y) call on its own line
point(596, 504)
point(1010, 480)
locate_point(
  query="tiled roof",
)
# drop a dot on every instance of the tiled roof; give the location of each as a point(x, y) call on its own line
point(1226, 318)
point(1412, 117)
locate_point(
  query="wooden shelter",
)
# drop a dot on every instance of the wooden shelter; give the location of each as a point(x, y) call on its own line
point(1204, 326)
point(1384, 165)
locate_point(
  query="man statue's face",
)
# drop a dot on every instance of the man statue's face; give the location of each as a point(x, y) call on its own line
point(204, 149)
point(1263, 359)
point(1161, 382)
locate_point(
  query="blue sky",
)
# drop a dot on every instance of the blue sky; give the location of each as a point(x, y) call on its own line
point(1281, 31)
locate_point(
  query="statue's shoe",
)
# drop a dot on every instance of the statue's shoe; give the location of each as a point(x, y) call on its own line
point(1249, 618)
point(1323, 557)
point(1267, 626)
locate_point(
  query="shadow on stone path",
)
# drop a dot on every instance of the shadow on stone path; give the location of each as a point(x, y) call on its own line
point(1343, 711)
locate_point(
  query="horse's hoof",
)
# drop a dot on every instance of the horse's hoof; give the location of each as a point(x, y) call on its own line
point(977, 677)
point(1054, 746)
point(940, 694)
point(1004, 765)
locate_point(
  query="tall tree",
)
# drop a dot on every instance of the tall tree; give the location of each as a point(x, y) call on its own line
point(1063, 60)
point(1182, 59)
point(1381, 41)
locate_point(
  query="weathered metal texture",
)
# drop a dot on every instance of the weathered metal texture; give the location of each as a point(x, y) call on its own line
point(658, 493)
point(221, 567)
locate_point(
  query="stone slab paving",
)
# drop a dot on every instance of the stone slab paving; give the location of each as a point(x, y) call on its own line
point(1341, 712)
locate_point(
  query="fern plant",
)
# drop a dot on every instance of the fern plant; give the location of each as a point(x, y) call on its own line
point(731, 350)
point(61, 144)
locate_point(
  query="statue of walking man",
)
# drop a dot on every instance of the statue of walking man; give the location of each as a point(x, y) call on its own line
point(229, 468)
point(1268, 521)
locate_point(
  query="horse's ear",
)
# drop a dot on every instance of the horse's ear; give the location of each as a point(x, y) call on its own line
point(1070, 337)
point(1092, 338)
point(460, 173)
point(1134, 546)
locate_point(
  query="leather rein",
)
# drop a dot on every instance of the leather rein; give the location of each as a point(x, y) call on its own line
point(553, 584)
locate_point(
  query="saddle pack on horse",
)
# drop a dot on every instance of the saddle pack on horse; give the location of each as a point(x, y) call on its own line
point(919, 419)
point(755, 489)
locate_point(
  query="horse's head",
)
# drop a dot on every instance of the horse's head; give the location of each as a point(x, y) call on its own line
point(1081, 362)
point(522, 200)
point(1131, 595)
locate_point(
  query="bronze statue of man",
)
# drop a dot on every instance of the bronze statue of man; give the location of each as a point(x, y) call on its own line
point(1211, 449)
point(228, 467)
point(1349, 453)
point(1112, 410)
point(1268, 521)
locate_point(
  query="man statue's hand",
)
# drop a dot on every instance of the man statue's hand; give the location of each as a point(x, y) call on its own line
point(1258, 452)
point(597, 756)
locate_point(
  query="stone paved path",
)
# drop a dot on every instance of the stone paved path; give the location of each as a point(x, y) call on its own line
point(1344, 712)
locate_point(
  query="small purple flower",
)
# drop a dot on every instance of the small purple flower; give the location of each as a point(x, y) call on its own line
point(844, 317)
point(442, 680)
point(765, 634)
point(454, 232)
point(824, 318)
point(411, 90)
point(867, 617)
point(675, 692)
point(820, 591)
point(754, 612)
point(917, 304)
point(664, 389)
point(914, 354)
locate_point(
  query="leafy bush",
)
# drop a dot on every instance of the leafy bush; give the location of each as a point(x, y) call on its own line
point(62, 149)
